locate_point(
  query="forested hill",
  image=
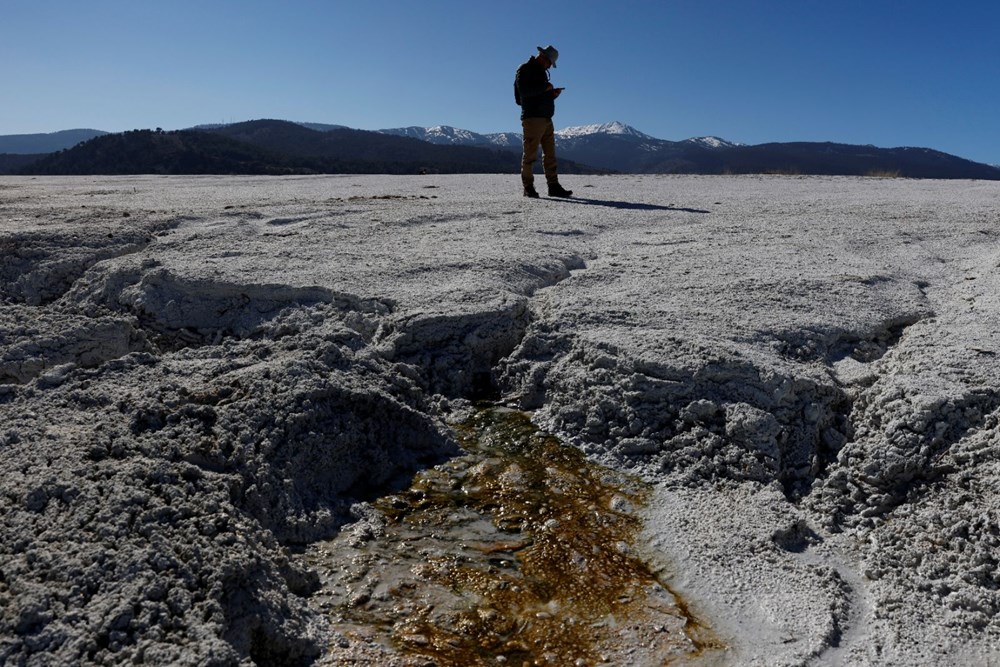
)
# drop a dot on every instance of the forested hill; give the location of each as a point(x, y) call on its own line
point(272, 147)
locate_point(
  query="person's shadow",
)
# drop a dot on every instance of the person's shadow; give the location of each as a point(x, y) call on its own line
point(633, 206)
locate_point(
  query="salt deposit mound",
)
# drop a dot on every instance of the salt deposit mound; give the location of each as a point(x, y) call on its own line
point(199, 375)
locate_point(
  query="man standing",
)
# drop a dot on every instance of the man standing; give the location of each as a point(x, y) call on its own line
point(537, 99)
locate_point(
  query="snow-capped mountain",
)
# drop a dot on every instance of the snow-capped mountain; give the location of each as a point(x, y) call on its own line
point(615, 129)
point(440, 134)
point(619, 147)
point(712, 142)
point(452, 136)
point(508, 140)
point(613, 145)
point(623, 148)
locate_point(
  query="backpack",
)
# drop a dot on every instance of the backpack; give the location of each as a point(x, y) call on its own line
point(517, 75)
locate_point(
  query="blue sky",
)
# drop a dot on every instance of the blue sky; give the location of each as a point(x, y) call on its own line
point(883, 72)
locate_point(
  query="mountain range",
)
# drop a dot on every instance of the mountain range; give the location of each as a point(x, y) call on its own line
point(622, 148)
point(280, 147)
point(443, 134)
point(269, 147)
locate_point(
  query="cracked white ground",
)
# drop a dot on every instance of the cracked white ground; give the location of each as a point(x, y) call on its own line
point(199, 376)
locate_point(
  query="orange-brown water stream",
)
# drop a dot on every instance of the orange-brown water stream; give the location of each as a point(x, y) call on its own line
point(519, 552)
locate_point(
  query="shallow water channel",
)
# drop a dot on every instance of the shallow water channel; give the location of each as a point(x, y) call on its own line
point(518, 552)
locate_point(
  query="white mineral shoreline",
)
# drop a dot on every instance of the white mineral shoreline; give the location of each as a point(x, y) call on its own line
point(197, 373)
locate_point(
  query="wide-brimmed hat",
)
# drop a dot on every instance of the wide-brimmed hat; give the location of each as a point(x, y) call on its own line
point(550, 53)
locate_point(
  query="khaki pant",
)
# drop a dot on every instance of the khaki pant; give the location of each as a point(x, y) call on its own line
point(538, 132)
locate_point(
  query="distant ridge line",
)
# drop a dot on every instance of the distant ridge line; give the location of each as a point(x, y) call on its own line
point(271, 146)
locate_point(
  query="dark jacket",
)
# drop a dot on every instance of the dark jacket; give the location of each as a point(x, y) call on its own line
point(531, 91)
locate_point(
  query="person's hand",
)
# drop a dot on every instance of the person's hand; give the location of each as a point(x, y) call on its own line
point(556, 92)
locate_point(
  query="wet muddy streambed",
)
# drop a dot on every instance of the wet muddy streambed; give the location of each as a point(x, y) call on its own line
point(518, 552)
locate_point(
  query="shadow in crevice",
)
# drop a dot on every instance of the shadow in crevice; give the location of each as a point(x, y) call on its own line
point(632, 206)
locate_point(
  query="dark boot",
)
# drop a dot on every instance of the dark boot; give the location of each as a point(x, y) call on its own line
point(530, 191)
point(556, 190)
